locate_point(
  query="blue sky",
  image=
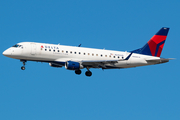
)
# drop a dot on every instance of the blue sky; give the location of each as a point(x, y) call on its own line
point(45, 93)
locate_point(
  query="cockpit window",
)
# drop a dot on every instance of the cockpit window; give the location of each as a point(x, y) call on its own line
point(17, 46)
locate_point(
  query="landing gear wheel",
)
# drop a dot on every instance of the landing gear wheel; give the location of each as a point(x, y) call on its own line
point(88, 73)
point(24, 63)
point(78, 72)
point(22, 68)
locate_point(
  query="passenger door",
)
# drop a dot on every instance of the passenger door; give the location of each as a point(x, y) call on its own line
point(33, 48)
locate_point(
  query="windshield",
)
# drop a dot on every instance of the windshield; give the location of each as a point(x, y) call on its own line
point(17, 45)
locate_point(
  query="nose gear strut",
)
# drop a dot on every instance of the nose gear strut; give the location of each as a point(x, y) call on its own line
point(24, 63)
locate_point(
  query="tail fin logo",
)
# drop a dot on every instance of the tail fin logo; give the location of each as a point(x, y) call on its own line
point(155, 44)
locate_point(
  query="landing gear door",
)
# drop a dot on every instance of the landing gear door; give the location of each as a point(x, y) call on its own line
point(33, 48)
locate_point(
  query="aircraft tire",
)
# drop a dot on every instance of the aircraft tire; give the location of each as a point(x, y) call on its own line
point(78, 72)
point(22, 68)
point(88, 73)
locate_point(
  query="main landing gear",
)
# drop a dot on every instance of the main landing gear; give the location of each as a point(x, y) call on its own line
point(78, 72)
point(24, 63)
point(88, 72)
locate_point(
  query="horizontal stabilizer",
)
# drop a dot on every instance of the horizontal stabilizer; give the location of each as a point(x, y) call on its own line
point(161, 60)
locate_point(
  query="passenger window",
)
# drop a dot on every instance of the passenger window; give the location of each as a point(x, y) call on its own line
point(110, 56)
point(49, 49)
point(74, 52)
point(79, 52)
point(92, 54)
point(101, 55)
point(62, 51)
point(45, 49)
point(114, 56)
point(54, 50)
point(88, 53)
point(71, 52)
point(58, 50)
point(66, 51)
point(84, 53)
point(96, 54)
point(105, 55)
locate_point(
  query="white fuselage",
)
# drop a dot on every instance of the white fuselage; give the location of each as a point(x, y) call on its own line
point(50, 53)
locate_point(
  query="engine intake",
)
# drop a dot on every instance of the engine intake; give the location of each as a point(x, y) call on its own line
point(70, 65)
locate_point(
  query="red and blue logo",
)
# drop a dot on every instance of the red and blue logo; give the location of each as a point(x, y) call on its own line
point(155, 44)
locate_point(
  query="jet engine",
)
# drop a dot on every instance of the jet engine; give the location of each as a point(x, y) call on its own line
point(70, 65)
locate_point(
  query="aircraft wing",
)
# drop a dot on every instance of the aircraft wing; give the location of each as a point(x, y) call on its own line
point(99, 63)
point(104, 64)
point(90, 63)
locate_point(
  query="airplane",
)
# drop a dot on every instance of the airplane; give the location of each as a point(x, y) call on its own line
point(76, 57)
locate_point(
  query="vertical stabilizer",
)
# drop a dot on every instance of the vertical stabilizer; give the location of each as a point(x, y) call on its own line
point(155, 45)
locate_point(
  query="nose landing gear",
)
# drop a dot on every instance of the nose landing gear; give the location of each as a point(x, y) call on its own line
point(24, 63)
point(22, 68)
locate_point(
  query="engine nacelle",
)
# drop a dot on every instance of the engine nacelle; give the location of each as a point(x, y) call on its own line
point(70, 65)
point(55, 65)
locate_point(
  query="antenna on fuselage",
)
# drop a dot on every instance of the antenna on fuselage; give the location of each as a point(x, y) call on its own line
point(79, 45)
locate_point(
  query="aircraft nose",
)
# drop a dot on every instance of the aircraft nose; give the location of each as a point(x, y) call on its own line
point(7, 52)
